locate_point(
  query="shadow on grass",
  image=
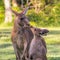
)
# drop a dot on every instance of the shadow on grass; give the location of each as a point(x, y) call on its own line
point(49, 58)
point(54, 32)
point(5, 45)
point(7, 53)
point(53, 58)
point(9, 59)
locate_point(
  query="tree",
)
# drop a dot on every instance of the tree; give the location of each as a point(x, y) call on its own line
point(49, 2)
point(8, 13)
point(36, 4)
point(46, 2)
point(27, 1)
point(14, 3)
point(22, 3)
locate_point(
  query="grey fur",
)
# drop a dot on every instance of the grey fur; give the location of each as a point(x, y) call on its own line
point(38, 49)
point(21, 37)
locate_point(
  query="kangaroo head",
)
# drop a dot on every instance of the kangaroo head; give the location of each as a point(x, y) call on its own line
point(21, 18)
point(39, 31)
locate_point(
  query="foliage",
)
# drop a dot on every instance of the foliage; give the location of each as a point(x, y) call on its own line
point(49, 16)
point(1, 12)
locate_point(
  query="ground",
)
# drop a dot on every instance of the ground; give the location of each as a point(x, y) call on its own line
point(52, 41)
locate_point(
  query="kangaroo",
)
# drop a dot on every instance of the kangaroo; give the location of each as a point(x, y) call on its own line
point(38, 50)
point(21, 37)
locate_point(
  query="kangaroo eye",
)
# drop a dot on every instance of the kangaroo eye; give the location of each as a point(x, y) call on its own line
point(22, 18)
point(35, 29)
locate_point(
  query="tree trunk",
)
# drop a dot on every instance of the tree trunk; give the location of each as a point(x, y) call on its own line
point(37, 6)
point(27, 2)
point(22, 4)
point(8, 13)
point(14, 3)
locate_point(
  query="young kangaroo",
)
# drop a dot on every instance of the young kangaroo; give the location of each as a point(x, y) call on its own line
point(38, 50)
point(21, 38)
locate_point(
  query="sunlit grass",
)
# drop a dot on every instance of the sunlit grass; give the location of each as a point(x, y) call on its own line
point(52, 40)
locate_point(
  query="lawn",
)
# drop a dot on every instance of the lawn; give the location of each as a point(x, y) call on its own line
point(52, 40)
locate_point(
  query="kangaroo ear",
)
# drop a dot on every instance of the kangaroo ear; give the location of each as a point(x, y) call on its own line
point(25, 11)
point(14, 12)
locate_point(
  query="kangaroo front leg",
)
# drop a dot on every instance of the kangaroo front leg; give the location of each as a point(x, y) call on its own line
point(24, 55)
point(16, 51)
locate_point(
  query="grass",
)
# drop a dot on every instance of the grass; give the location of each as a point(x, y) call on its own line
point(52, 40)
point(53, 44)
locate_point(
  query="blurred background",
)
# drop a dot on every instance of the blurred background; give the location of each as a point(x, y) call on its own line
point(42, 14)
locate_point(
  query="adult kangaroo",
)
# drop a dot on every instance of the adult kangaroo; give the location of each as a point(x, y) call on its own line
point(21, 37)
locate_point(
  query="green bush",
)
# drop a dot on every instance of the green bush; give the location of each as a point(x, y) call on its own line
point(50, 16)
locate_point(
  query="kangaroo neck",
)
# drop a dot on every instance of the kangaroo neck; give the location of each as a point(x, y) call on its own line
point(35, 36)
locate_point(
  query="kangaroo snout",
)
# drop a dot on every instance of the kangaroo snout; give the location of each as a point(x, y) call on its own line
point(44, 32)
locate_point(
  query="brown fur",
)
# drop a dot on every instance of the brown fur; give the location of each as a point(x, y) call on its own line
point(21, 37)
point(38, 48)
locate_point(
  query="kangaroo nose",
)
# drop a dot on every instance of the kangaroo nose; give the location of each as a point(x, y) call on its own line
point(45, 31)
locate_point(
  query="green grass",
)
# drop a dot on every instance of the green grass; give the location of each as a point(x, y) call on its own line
point(52, 40)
